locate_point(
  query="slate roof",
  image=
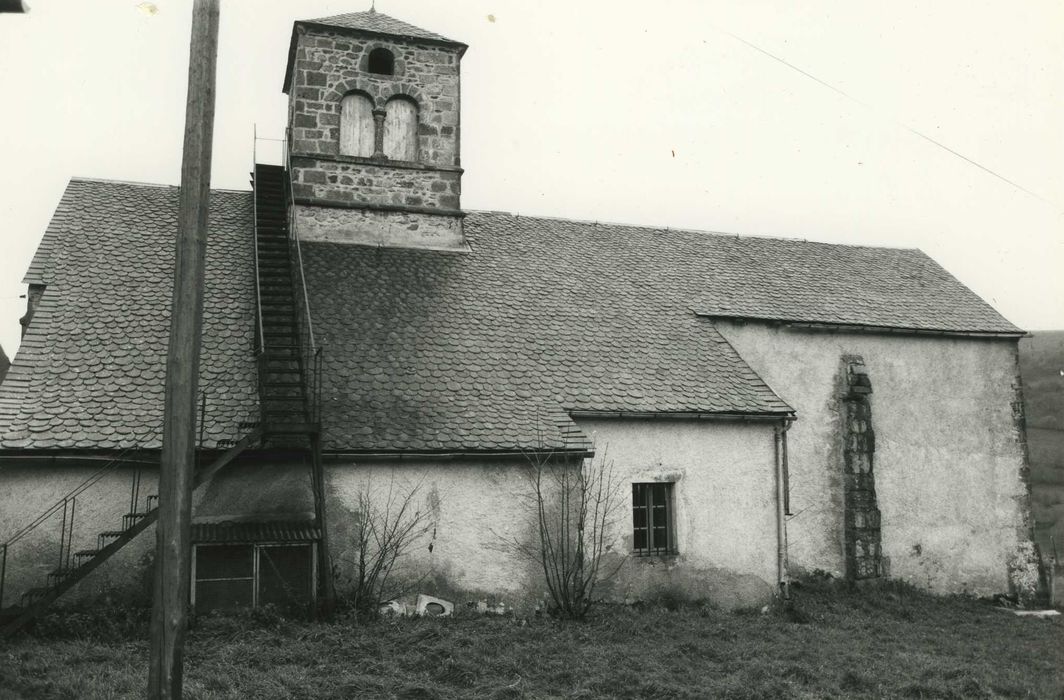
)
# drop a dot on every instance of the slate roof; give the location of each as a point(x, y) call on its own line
point(90, 370)
point(378, 23)
point(430, 351)
point(450, 351)
point(802, 281)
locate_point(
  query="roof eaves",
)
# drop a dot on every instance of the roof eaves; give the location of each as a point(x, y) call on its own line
point(15, 389)
point(39, 271)
point(335, 455)
point(839, 327)
point(688, 415)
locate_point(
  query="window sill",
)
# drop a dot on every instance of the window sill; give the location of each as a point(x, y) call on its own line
point(380, 162)
point(655, 555)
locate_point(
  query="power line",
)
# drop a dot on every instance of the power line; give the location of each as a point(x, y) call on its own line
point(869, 107)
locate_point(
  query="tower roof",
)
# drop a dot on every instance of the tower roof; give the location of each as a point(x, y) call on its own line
point(378, 23)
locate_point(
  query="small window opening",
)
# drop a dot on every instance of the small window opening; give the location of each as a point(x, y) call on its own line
point(653, 531)
point(381, 61)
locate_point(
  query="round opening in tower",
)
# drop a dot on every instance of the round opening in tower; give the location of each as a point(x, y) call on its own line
point(381, 61)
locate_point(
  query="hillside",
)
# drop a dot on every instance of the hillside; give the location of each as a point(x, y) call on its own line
point(1042, 368)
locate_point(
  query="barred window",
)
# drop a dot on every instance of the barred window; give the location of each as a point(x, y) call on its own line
point(653, 531)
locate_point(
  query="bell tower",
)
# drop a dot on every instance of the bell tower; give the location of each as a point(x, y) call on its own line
point(374, 132)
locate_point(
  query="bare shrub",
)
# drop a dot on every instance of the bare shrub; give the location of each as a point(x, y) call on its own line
point(390, 523)
point(574, 505)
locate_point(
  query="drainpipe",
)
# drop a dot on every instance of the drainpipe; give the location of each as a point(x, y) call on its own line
point(781, 509)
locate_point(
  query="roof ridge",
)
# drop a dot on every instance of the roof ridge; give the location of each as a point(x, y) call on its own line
point(683, 229)
point(135, 183)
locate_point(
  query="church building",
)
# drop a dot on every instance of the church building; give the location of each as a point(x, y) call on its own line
point(768, 407)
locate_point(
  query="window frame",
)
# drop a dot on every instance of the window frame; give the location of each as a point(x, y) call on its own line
point(648, 489)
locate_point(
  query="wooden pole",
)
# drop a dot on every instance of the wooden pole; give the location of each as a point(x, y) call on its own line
point(169, 619)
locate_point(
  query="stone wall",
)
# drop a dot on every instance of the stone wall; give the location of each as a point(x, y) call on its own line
point(328, 65)
point(950, 461)
point(861, 537)
point(356, 180)
point(390, 229)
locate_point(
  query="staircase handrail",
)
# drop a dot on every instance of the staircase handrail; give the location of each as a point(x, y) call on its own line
point(255, 214)
point(292, 234)
point(60, 505)
point(109, 467)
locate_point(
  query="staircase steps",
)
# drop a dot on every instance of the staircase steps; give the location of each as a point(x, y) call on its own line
point(282, 384)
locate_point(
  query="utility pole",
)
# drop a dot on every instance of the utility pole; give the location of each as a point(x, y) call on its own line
point(169, 618)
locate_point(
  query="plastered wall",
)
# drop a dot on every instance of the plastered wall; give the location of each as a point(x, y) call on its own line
point(950, 467)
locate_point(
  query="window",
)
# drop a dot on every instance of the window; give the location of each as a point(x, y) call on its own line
point(400, 129)
point(356, 125)
point(247, 575)
point(381, 62)
point(653, 531)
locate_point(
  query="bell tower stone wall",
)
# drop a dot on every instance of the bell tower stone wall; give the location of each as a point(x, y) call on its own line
point(375, 193)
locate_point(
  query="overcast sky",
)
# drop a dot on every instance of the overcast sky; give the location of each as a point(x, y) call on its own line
point(655, 113)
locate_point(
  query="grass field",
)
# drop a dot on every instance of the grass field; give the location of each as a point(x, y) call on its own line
point(883, 641)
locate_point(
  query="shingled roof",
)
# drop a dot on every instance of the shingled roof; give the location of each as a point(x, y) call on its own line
point(89, 373)
point(438, 351)
point(489, 350)
point(821, 283)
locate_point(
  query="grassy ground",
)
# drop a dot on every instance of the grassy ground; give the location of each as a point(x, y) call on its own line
point(884, 641)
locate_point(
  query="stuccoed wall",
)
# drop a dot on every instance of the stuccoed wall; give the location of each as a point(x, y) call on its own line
point(27, 490)
point(245, 490)
point(380, 228)
point(474, 509)
point(724, 495)
point(950, 461)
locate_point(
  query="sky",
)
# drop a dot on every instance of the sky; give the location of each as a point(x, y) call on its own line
point(933, 125)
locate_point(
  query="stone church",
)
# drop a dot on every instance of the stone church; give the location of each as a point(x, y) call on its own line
point(770, 406)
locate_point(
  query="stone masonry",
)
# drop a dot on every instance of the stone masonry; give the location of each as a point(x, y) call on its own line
point(329, 63)
point(350, 180)
point(862, 544)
